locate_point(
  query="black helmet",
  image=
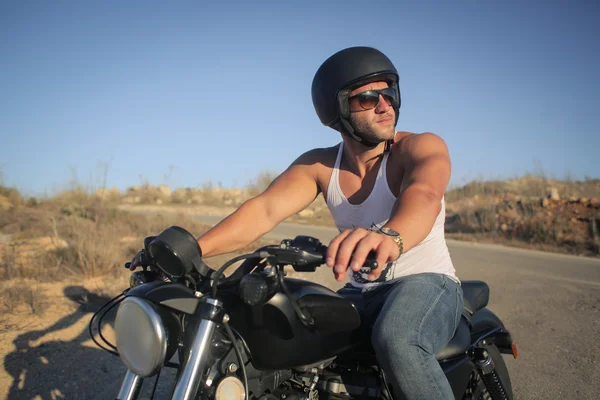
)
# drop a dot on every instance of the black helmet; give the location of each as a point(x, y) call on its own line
point(339, 75)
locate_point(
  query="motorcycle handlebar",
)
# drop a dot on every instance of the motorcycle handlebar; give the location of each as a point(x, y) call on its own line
point(303, 253)
point(306, 253)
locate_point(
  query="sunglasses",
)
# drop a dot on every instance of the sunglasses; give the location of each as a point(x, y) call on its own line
point(369, 99)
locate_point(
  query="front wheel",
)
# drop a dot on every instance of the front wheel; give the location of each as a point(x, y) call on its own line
point(484, 387)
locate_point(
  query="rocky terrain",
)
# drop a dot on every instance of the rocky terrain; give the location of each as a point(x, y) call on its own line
point(570, 225)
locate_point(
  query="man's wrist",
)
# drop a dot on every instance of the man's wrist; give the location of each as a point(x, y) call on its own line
point(400, 242)
point(392, 234)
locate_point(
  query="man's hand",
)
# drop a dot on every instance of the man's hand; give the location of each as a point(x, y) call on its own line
point(350, 249)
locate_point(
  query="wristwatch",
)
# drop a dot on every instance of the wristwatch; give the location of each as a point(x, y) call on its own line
point(395, 236)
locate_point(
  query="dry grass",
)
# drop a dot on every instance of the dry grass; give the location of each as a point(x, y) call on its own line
point(72, 236)
point(98, 238)
point(17, 296)
point(261, 182)
point(11, 196)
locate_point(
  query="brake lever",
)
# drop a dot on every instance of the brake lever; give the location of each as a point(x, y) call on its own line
point(145, 261)
point(143, 266)
point(128, 265)
point(301, 259)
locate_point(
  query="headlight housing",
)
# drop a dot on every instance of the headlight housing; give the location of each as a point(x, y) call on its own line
point(146, 335)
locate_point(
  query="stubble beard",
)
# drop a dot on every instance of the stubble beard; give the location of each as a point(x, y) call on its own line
point(371, 133)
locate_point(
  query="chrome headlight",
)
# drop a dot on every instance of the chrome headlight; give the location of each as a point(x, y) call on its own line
point(146, 335)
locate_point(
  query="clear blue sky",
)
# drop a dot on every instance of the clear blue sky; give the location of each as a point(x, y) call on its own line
point(221, 92)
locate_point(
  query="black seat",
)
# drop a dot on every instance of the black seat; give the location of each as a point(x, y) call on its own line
point(476, 295)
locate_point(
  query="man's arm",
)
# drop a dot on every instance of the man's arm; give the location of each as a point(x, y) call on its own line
point(290, 193)
point(426, 164)
point(427, 171)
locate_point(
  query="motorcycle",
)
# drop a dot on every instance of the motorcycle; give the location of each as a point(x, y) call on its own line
point(257, 334)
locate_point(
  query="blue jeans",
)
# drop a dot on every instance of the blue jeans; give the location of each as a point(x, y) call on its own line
point(412, 319)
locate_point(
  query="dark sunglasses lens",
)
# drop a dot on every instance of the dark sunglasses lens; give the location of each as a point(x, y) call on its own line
point(389, 95)
point(368, 100)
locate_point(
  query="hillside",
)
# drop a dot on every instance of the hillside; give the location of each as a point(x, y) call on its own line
point(529, 212)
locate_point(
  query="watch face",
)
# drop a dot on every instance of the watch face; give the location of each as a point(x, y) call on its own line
point(389, 231)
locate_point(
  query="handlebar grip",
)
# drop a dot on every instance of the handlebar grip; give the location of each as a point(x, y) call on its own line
point(128, 264)
point(370, 262)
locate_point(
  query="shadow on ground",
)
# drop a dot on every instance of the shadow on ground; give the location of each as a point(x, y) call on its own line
point(64, 369)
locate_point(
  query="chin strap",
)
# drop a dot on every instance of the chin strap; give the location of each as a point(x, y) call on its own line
point(388, 145)
point(349, 130)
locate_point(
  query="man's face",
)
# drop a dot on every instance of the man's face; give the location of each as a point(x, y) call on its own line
point(374, 124)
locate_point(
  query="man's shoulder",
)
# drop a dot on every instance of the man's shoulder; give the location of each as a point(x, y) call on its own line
point(324, 156)
point(408, 142)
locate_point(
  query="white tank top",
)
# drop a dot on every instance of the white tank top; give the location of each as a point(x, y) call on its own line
point(430, 255)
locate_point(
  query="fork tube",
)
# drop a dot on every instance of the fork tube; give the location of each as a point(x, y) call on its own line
point(130, 388)
point(188, 381)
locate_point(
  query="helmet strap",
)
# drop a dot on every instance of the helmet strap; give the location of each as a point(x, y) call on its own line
point(349, 130)
point(388, 145)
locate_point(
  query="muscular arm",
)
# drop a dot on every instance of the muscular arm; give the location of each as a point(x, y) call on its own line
point(426, 165)
point(290, 193)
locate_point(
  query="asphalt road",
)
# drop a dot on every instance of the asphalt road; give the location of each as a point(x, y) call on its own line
point(549, 302)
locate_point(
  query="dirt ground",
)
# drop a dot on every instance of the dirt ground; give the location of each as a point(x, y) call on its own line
point(51, 356)
point(39, 351)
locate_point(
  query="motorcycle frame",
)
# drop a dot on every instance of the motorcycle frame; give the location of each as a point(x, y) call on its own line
point(210, 313)
point(486, 328)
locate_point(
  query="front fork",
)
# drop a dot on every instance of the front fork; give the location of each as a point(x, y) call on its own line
point(210, 313)
point(130, 388)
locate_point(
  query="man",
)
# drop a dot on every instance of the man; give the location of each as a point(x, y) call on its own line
point(385, 191)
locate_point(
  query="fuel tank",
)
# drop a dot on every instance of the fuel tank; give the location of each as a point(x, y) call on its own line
point(277, 338)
